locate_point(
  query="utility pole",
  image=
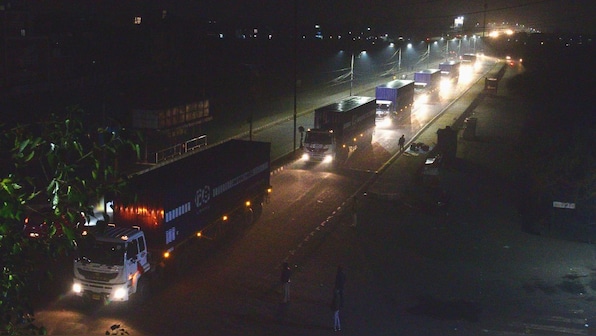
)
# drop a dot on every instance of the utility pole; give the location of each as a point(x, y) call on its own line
point(295, 71)
point(428, 55)
point(352, 73)
point(484, 24)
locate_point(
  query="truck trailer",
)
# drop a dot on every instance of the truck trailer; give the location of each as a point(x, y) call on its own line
point(202, 195)
point(427, 82)
point(339, 129)
point(394, 99)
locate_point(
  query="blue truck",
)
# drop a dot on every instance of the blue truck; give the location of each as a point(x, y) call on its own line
point(394, 101)
point(450, 70)
point(427, 83)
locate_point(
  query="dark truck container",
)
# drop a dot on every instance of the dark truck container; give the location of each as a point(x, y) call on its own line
point(394, 99)
point(450, 70)
point(339, 128)
point(202, 195)
point(428, 82)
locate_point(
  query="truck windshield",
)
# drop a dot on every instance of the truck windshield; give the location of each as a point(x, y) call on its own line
point(99, 252)
point(319, 138)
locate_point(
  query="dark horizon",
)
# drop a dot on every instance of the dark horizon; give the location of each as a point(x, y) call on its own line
point(399, 15)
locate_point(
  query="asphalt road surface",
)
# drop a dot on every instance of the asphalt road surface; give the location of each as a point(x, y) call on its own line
point(411, 269)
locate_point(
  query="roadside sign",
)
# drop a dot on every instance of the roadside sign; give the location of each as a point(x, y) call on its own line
point(563, 205)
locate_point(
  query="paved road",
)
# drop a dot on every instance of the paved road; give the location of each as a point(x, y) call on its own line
point(411, 270)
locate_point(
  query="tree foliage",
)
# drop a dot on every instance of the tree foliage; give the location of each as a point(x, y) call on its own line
point(56, 168)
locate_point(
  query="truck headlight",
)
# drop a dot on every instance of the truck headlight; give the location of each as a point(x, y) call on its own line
point(305, 157)
point(328, 158)
point(77, 288)
point(120, 293)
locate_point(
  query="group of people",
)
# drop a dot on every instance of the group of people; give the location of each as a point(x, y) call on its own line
point(337, 301)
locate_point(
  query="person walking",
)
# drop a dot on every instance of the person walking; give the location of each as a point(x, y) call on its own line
point(286, 274)
point(402, 142)
point(336, 305)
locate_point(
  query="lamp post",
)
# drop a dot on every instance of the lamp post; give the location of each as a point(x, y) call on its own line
point(459, 48)
point(446, 49)
point(428, 55)
point(474, 39)
point(399, 59)
point(352, 73)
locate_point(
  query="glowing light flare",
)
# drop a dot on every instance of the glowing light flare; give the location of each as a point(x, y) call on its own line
point(446, 87)
point(465, 74)
point(385, 122)
point(421, 99)
point(422, 115)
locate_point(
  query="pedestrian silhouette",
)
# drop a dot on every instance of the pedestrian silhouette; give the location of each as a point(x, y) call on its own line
point(336, 305)
point(286, 273)
point(402, 142)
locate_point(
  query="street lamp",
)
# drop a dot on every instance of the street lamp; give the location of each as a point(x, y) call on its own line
point(428, 55)
point(352, 74)
point(474, 39)
point(352, 69)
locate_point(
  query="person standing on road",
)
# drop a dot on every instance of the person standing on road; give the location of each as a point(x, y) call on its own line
point(335, 307)
point(286, 273)
point(340, 281)
point(402, 142)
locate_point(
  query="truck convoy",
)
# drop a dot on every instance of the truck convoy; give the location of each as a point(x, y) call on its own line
point(428, 82)
point(201, 195)
point(339, 128)
point(394, 99)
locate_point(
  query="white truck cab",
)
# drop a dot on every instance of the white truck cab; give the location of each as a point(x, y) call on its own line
point(111, 265)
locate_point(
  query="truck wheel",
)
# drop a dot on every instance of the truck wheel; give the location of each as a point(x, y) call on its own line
point(257, 211)
point(248, 217)
point(143, 290)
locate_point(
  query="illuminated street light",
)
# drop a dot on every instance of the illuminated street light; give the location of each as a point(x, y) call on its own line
point(352, 73)
point(352, 69)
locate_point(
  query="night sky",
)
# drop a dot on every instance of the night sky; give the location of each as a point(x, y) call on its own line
point(549, 15)
point(404, 15)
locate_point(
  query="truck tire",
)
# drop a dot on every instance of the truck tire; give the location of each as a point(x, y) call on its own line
point(143, 291)
point(257, 211)
point(248, 218)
